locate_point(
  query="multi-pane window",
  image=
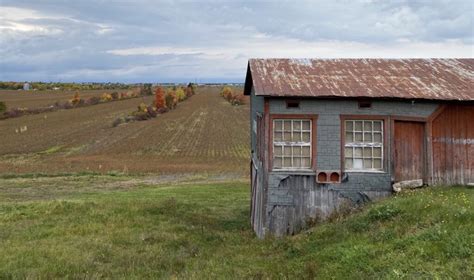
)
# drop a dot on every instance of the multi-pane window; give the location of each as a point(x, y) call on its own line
point(363, 145)
point(291, 144)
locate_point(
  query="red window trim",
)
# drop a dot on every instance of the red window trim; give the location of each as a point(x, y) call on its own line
point(313, 118)
point(386, 127)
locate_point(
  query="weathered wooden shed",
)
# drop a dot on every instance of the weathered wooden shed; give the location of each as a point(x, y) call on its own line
point(329, 131)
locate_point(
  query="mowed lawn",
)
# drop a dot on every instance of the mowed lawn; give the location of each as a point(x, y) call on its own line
point(120, 227)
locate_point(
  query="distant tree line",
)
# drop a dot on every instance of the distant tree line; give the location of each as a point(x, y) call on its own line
point(65, 86)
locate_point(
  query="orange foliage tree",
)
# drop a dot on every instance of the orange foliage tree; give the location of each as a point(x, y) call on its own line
point(160, 98)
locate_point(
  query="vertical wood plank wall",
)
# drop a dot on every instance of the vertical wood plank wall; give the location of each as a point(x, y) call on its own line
point(453, 145)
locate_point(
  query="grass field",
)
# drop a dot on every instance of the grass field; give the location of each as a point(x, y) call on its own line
point(205, 134)
point(129, 227)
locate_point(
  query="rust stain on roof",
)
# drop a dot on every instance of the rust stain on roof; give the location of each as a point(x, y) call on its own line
point(436, 79)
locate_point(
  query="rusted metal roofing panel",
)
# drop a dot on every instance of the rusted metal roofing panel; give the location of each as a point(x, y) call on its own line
point(435, 79)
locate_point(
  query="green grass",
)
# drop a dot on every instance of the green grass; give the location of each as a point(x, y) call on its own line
point(202, 231)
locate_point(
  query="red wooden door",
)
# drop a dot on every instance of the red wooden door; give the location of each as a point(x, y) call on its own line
point(409, 150)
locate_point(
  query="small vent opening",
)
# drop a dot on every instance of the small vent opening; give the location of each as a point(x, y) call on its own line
point(365, 104)
point(292, 104)
point(322, 177)
point(334, 177)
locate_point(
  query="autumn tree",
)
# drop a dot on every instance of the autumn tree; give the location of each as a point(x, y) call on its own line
point(160, 98)
point(190, 90)
point(180, 94)
point(171, 100)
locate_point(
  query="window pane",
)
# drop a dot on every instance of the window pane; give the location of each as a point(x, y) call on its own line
point(349, 137)
point(306, 137)
point(287, 136)
point(357, 163)
point(277, 136)
point(306, 151)
point(297, 162)
point(377, 126)
point(367, 137)
point(367, 164)
point(278, 125)
point(287, 125)
point(348, 163)
point(296, 125)
point(296, 151)
point(287, 151)
point(377, 152)
point(367, 152)
point(378, 163)
point(286, 162)
point(357, 152)
point(349, 126)
point(277, 150)
point(297, 136)
point(305, 162)
point(358, 125)
point(348, 152)
point(378, 137)
point(306, 125)
point(367, 126)
point(277, 162)
point(358, 137)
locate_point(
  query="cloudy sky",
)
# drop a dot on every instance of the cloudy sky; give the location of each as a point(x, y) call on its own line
point(179, 41)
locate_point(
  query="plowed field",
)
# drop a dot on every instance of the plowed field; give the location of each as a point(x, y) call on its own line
point(204, 134)
point(34, 99)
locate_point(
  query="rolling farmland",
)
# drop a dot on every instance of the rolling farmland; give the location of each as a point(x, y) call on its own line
point(204, 134)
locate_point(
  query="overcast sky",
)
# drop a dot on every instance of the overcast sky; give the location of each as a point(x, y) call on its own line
point(179, 41)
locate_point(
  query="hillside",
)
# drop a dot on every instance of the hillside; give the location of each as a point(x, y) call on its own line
point(112, 227)
point(204, 134)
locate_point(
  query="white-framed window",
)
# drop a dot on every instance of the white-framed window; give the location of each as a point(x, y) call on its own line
point(292, 144)
point(363, 149)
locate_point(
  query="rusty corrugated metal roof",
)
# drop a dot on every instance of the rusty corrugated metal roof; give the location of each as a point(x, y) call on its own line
point(436, 79)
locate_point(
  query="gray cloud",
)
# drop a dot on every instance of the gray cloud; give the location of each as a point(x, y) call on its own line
point(212, 40)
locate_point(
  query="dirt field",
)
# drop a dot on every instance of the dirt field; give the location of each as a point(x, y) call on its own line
point(204, 134)
point(34, 99)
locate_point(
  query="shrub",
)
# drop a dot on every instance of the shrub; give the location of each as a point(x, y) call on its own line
point(171, 100)
point(3, 107)
point(151, 111)
point(119, 121)
point(180, 95)
point(114, 95)
point(106, 97)
point(76, 99)
point(142, 107)
point(160, 98)
point(191, 88)
point(15, 112)
point(140, 115)
point(93, 100)
point(189, 91)
point(162, 110)
point(237, 99)
point(226, 92)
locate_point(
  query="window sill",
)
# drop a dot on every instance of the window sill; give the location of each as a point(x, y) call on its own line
point(294, 171)
point(366, 171)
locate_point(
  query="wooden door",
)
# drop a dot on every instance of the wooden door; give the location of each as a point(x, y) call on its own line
point(409, 150)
